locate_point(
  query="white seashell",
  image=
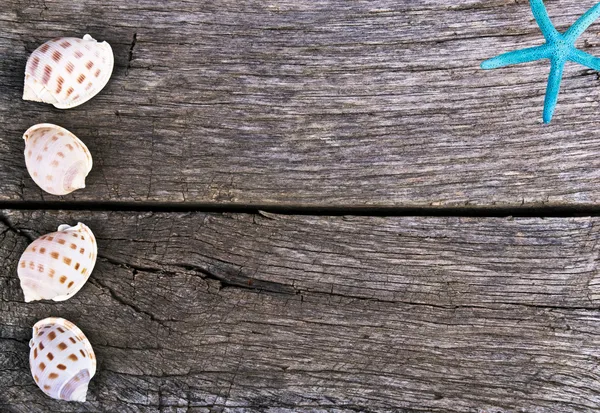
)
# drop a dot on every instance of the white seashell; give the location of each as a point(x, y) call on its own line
point(67, 71)
point(62, 360)
point(56, 159)
point(57, 265)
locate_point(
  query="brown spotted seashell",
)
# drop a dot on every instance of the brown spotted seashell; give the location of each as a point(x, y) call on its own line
point(56, 159)
point(68, 71)
point(57, 265)
point(61, 359)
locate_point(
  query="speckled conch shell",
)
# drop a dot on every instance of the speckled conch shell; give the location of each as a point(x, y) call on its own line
point(57, 265)
point(61, 358)
point(56, 159)
point(67, 71)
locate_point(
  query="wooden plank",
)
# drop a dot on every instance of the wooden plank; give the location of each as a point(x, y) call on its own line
point(311, 102)
point(240, 313)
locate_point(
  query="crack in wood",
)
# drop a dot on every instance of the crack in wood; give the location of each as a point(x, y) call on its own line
point(103, 286)
point(130, 55)
point(10, 227)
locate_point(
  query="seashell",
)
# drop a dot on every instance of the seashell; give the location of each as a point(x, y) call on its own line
point(68, 71)
point(56, 159)
point(61, 358)
point(57, 265)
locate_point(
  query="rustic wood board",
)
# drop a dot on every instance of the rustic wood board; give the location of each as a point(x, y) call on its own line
point(240, 313)
point(311, 102)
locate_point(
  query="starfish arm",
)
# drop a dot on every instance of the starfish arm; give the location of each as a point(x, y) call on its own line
point(582, 23)
point(543, 20)
point(556, 73)
point(584, 59)
point(516, 57)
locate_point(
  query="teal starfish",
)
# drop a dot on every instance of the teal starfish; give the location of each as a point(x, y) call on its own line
point(559, 48)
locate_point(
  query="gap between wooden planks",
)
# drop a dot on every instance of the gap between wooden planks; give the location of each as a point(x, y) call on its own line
point(244, 313)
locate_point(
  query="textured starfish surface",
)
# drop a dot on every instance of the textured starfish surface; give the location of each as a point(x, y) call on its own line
point(559, 48)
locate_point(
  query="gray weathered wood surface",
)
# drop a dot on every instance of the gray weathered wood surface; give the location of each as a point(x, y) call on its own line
point(311, 102)
point(239, 313)
point(323, 103)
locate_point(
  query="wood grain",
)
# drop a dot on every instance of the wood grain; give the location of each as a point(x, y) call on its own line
point(240, 313)
point(311, 103)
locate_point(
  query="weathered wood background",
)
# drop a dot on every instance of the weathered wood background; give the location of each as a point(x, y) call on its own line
point(311, 102)
point(196, 312)
point(321, 104)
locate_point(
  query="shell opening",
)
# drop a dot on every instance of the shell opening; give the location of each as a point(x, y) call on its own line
point(75, 177)
point(36, 92)
point(29, 94)
point(76, 388)
point(29, 293)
